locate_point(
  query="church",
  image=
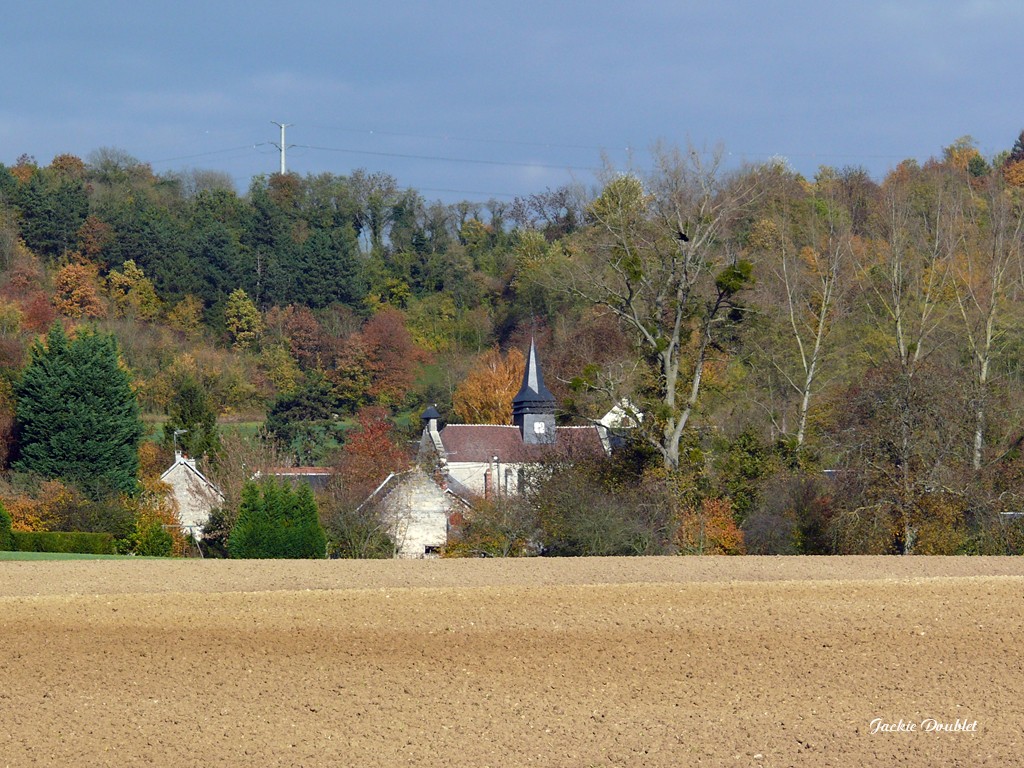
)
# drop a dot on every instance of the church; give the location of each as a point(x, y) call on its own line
point(459, 464)
point(489, 460)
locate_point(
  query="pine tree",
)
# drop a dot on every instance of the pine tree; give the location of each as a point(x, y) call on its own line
point(190, 410)
point(77, 416)
point(276, 520)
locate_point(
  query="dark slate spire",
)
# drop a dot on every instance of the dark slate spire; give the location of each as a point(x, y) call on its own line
point(533, 409)
point(533, 392)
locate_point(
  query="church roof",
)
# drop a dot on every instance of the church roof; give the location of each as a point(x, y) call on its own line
point(533, 389)
point(482, 442)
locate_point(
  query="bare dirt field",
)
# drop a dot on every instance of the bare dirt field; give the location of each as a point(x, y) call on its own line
point(598, 662)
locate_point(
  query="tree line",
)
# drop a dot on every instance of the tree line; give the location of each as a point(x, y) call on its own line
point(814, 365)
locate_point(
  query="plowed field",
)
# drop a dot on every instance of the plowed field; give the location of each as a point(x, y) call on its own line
point(624, 662)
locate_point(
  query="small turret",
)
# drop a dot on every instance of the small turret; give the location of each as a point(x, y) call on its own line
point(430, 417)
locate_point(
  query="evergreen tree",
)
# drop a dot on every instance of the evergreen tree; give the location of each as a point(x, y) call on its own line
point(304, 535)
point(276, 520)
point(77, 416)
point(190, 410)
point(52, 211)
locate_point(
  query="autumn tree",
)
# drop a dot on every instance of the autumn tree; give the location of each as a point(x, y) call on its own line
point(805, 254)
point(132, 293)
point(485, 395)
point(93, 237)
point(187, 316)
point(305, 337)
point(371, 451)
point(392, 356)
point(76, 291)
point(709, 528)
point(1013, 167)
point(986, 281)
point(242, 320)
point(908, 279)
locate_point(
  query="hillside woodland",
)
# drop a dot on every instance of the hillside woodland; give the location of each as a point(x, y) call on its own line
point(826, 365)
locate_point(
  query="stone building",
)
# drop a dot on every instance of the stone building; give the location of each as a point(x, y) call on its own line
point(418, 512)
point(193, 493)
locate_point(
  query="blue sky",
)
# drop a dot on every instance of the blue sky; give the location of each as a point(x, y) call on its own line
point(479, 99)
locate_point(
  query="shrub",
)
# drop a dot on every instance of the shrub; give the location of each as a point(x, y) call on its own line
point(65, 541)
point(154, 540)
point(6, 537)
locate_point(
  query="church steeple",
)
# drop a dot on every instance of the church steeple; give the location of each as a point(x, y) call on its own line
point(533, 409)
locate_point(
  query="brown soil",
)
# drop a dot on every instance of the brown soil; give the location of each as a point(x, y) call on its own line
point(653, 662)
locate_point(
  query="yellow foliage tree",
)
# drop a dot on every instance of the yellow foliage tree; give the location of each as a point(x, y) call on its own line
point(132, 293)
point(1014, 173)
point(485, 395)
point(187, 316)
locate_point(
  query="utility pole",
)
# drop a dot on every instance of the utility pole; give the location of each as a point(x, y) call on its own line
point(282, 146)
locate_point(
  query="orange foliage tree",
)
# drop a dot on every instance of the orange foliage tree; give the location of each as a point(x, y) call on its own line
point(485, 395)
point(155, 507)
point(393, 356)
point(709, 529)
point(76, 291)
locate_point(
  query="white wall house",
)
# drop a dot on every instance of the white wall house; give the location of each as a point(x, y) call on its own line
point(193, 493)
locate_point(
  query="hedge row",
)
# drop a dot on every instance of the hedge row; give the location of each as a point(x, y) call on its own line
point(64, 541)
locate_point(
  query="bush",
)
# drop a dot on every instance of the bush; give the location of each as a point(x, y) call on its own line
point(65, 542)
point(353, 531)
point(155, 541)
point(6, 537)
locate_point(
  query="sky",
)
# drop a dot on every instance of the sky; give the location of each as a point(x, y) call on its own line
point(478, 100)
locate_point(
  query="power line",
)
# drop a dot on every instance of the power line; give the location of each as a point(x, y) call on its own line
point(442, 159)
point(207, 154)
point(512, 142)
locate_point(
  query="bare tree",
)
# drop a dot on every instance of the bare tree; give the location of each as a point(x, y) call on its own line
point(808, 281)
point(659, 256)
point(987, 276)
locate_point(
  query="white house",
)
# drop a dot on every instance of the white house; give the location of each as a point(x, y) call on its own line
point(417, 511)
point(193, 493)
